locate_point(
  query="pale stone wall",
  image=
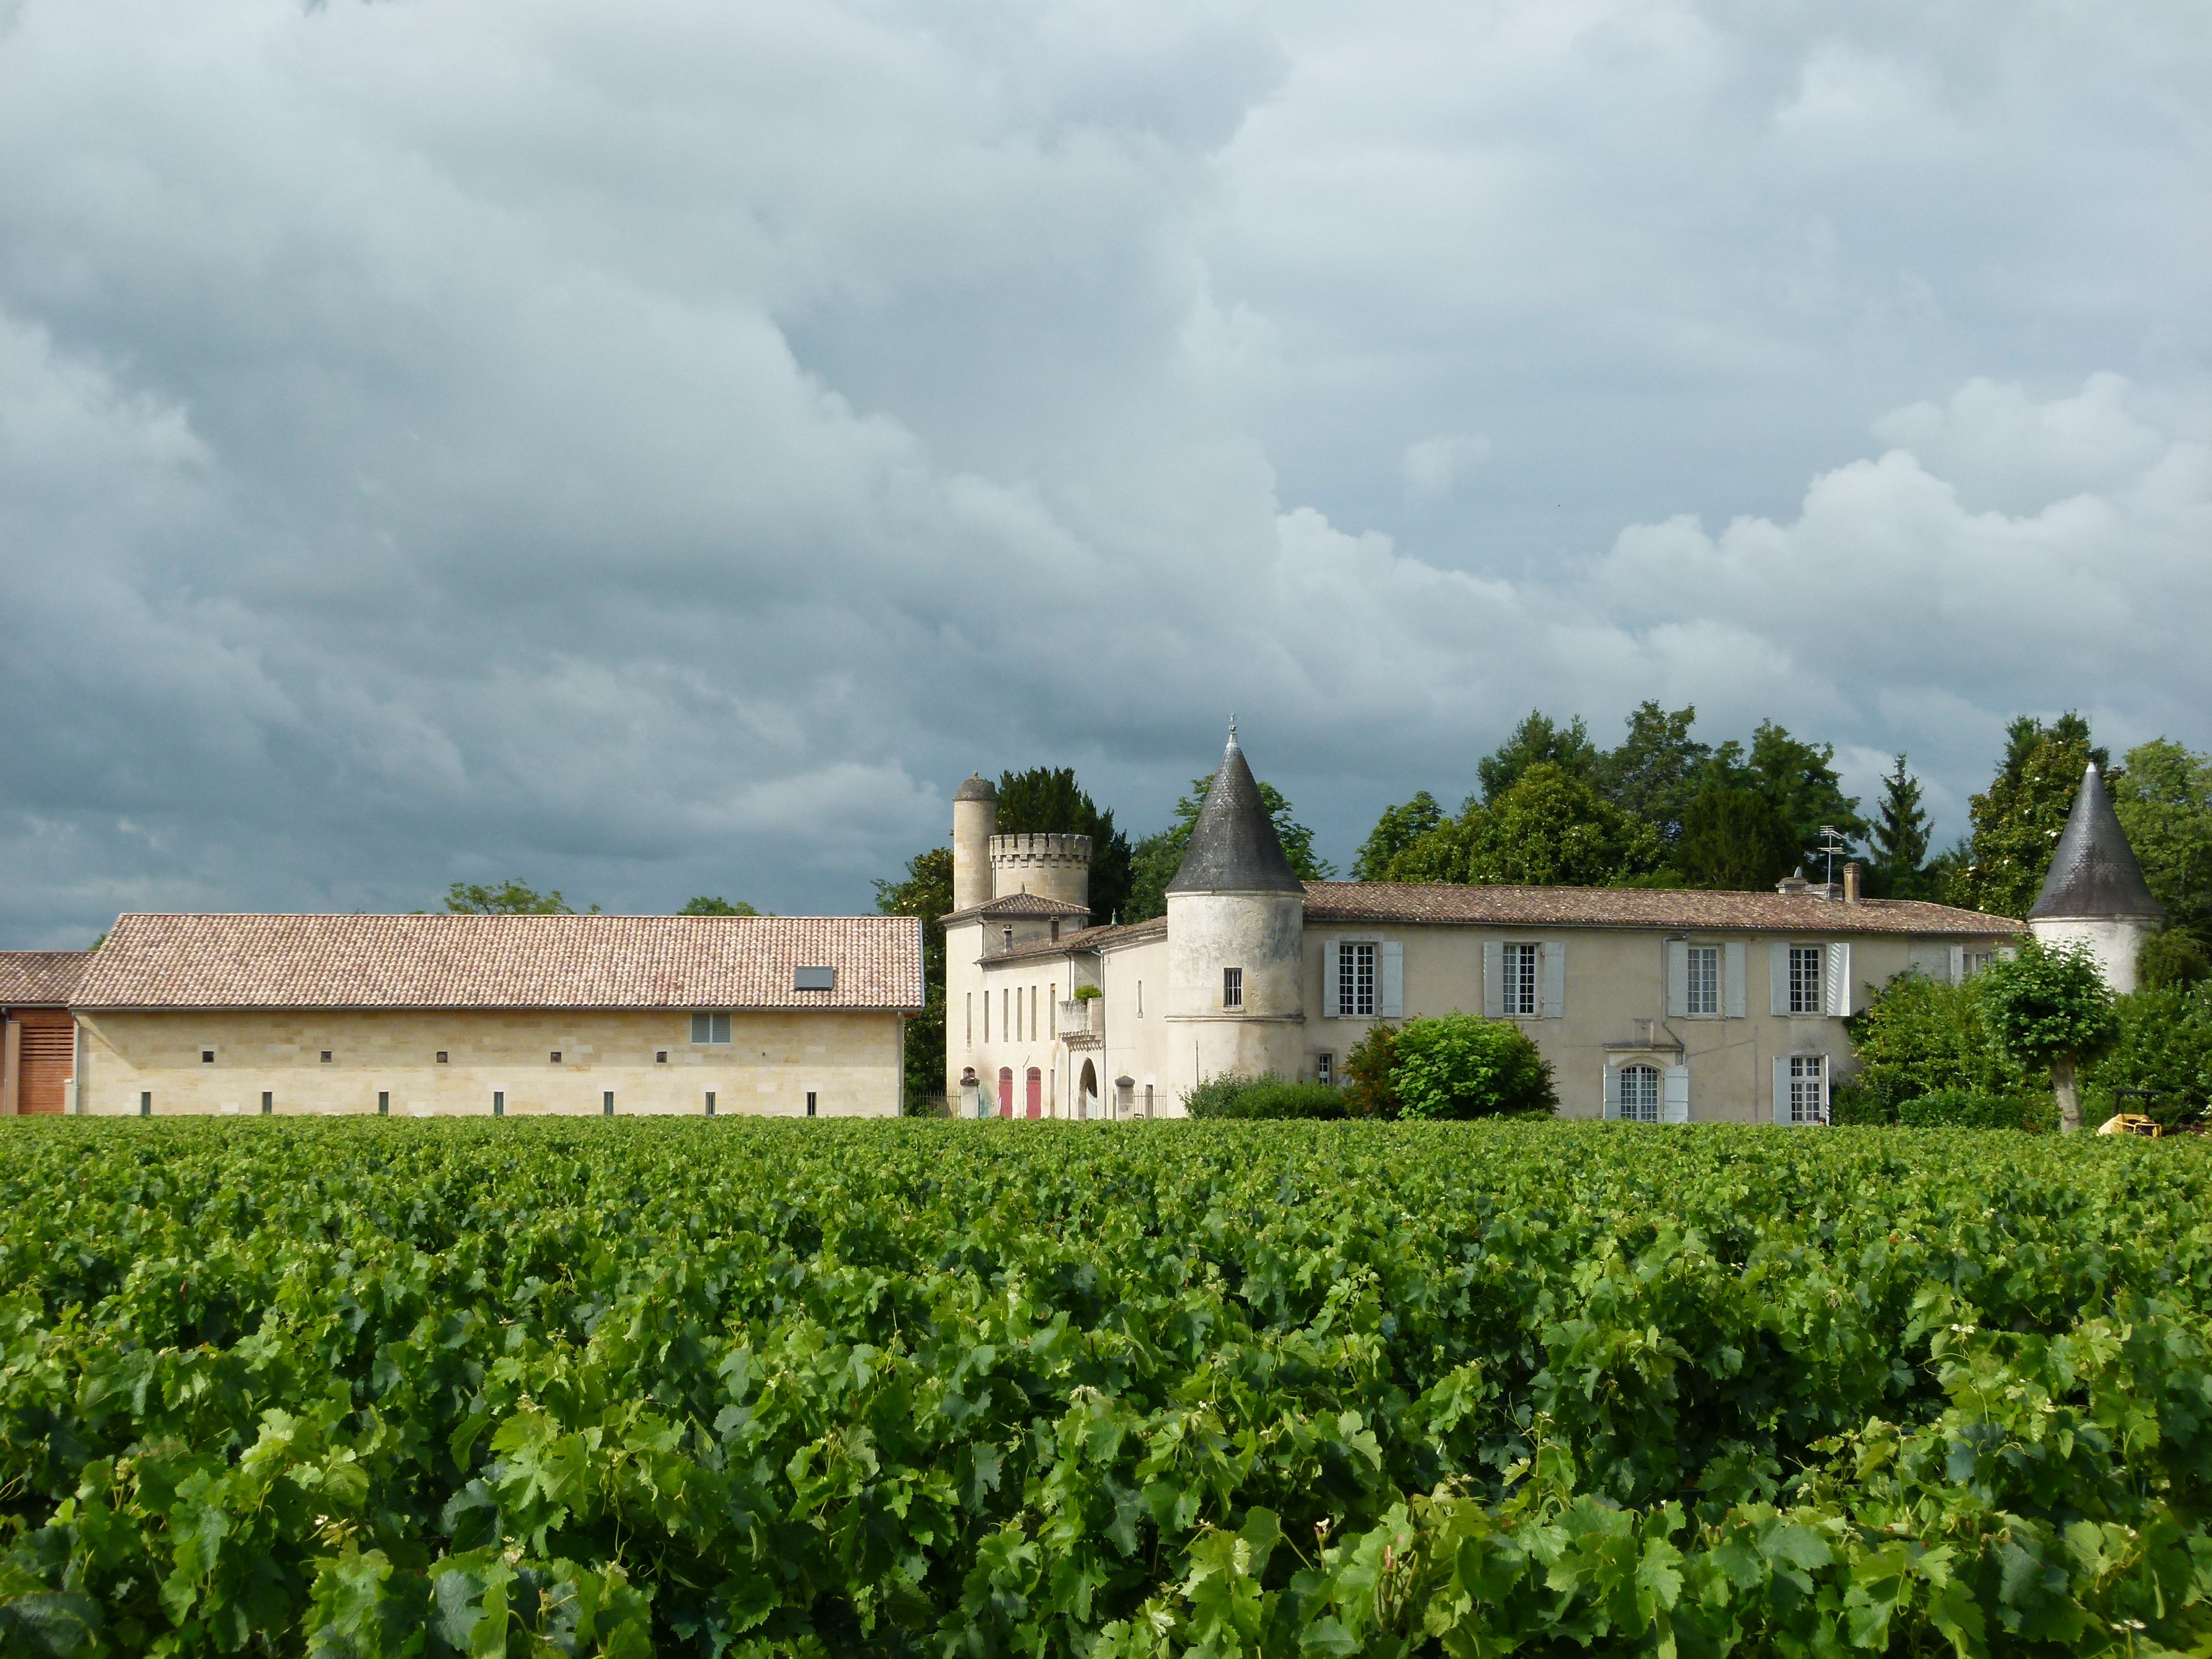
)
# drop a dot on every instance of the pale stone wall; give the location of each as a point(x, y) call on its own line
point(1614, 1010)
point(2112, 941)
point(849, 1060)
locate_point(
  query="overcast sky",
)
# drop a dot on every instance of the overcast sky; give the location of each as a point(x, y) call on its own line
point(660, 449)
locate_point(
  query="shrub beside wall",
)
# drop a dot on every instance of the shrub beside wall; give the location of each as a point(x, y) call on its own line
point(1229, 1096)
point(1962, 1108)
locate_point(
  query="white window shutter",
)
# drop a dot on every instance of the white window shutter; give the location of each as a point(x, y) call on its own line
point(1493, 979)
point(1554, 955)
point(1390, 963)
point(1839, 973)
point(1732, 978)
point(1332, 952)
point(1957, 964)
point(1781, 1090)
point(1778, 963)
point(1677, 978)
point(1675, 1108)
point(1612, 1093)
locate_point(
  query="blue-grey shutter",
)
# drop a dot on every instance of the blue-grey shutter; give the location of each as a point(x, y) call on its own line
point(1957, 964)
point(1612, 1093)
point(1553, 956)
point(1677, 978)
point(1390, 969)
point(1732, 978)
point(1493, 978)
point(1331, 1001)
point(1777, 961)
point(1781, 1090)
point(1674, 1105)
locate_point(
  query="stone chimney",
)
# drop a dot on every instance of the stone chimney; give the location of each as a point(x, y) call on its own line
point(1851, 881)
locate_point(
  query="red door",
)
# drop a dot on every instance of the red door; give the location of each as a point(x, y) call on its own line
point(1036, 1093)
point(1005, 1091)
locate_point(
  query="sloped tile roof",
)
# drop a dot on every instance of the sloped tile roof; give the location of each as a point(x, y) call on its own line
point(1328, 901)
point(1018, 904)
point(39, 979)
point(1086, 938)
point(502, 962)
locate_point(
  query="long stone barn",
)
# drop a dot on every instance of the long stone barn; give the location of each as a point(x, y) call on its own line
point(436, 1016)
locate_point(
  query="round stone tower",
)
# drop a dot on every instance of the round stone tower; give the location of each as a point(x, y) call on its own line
point(1052, 866)
point(975, 819)
point(2095, 893)
point(1236, 939)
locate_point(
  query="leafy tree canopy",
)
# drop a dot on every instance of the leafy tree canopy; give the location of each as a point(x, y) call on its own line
point(926, 890)
point(1048, 801)
point(1462, 1066)
point(2160, 1061)
point(1734, 837)
point(1159, 855)
point(1802, 785)
point(1656, 770)
point(1919, 1037)
point(2163, 797)
point(716, 906)
point(1899, 839)
point(509, 899)
point(1397, 829)
point(2050, 1005)
point(1536, 741)
point(2017, 820)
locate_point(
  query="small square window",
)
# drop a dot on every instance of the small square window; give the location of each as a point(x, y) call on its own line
point(557, 1057)
point(207, 1056)
point(660, 1056)
point(441, 1056)
point(327, 1056)
point(814, 979)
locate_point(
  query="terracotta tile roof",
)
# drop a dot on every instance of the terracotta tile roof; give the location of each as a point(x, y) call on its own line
point(1328, 901)
point(1083, 938)
point(1018, 904)
point(502, 962)
point(39, 979)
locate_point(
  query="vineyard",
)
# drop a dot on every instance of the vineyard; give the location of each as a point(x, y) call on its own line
point(968, 1390)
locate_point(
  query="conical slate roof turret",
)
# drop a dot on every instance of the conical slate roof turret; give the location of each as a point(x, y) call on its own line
point(2095, 873)
point(1233, 846)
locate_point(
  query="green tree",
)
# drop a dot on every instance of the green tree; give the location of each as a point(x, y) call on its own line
point(1732, 837)
point(1159, 855)
point(2050, 1005)
point(1803, 787)
point(1655, 771)
point(2160, 1062)
point(509, 899)
point(1048, 801)
point(2163, 798)
point(1920, 1037)
point(1551, 828)
point(926, 890)
point(1898, 841)
point(2017, 820)
point(1398, 829)
point(1534, 741)
point(1462, 1066)
point(716, 906)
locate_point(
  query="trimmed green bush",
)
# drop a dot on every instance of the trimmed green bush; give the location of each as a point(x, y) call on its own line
point(1229, 1096)
point(1962, 1108)
point(1462, 1066)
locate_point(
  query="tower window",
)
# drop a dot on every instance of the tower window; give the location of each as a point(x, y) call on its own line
point(1232, 987)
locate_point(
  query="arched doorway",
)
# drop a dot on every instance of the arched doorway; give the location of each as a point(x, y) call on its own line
point(1088, 1098)
point(1036, 1093)
point(1005, 1091)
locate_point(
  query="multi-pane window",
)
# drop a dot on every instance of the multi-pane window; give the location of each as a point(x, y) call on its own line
point(1702, 989)
point(1355, 980)
point(1805, 980)
point(1808, 1089)
point(1232, 987)
point(1639, 1094)
point(1324, 1068)
point(1973, 961)
point(1518, 991)
point(710, 1027)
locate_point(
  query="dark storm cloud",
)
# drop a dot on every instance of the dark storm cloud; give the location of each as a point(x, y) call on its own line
point(658, 451)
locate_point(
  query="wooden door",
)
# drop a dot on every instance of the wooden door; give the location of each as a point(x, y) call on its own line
point(49, 1060)
point(1036, 1093)
point(1005, 1091)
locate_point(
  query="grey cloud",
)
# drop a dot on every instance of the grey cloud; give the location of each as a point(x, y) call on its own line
point(653, 452)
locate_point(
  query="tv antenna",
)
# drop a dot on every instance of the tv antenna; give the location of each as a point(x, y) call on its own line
point(1832, 842)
